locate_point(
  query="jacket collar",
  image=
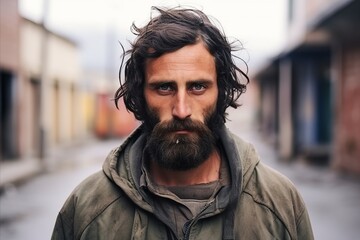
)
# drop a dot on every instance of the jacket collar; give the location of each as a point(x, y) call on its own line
point(123, 167)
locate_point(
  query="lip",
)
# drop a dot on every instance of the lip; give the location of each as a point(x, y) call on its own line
point(182, 132)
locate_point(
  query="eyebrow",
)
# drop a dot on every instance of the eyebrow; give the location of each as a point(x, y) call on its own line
point(160, 82)
point(156, 84)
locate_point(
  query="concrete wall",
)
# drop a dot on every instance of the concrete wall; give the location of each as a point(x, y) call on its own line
point(347, 144)
point(30, 49)
point(63, 75)
point(9, 35)
point(9, 79)
point(53, 98)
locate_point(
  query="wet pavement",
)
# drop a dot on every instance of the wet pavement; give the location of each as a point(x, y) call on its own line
point(28, 211)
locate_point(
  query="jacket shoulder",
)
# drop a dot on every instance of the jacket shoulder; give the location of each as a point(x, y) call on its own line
point(88, 200)
point(277, 194)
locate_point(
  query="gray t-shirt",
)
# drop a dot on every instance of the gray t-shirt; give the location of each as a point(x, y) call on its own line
point(181, 204)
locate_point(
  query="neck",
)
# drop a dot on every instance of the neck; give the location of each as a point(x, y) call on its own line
point(207, 172)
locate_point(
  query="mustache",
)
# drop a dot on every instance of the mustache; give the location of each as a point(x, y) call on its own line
point(180, 125)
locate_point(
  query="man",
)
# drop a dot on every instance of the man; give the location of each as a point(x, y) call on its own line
point(182, 174)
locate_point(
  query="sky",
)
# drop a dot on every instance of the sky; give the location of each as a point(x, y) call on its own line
point(99, 25)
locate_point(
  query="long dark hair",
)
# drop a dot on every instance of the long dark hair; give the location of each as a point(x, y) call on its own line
point(169, 31)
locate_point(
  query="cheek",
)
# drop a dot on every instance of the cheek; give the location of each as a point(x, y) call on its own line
point(210, 102)
point(152, 103)
point(157, 112)
point(211, 107)
point(209, 110)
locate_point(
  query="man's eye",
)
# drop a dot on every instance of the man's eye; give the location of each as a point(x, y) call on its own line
point(198, 88)
point(164, 89)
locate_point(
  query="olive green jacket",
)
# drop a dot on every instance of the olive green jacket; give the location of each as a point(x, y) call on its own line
point(259, 204)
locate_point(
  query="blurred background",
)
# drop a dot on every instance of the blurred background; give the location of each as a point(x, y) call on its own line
point(59, 63)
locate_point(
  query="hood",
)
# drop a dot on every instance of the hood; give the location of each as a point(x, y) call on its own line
point(123, 167)
point(242, 160)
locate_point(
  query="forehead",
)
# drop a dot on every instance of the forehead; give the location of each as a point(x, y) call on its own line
point(191, 61)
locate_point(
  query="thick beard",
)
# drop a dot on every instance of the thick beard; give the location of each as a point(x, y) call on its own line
point(180, 151)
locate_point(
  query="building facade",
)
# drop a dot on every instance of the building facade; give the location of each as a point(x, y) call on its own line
point(43, 105)
point(9, 78)
point(310, 91)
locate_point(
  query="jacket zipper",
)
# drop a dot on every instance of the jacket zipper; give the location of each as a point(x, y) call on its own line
point(191, 222)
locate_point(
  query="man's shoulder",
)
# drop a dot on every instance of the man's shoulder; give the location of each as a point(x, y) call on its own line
point(257, 175)
point(97, 185)
point(267, 182)
point(97, 189)
point(267, 196)
point(91, 195)
point(96, 199)
point(89, 199)
point(271, 190)
point(244, 151)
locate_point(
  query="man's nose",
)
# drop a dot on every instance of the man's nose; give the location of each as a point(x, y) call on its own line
point(181, 108)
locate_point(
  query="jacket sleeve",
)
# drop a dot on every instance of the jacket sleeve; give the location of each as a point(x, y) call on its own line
point(303, 227)
point(62, 229)
point(64, 225)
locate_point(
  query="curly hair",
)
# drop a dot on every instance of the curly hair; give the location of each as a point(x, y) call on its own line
point(169, 31)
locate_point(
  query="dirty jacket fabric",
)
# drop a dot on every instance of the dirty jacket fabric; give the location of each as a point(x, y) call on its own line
point(259, 203)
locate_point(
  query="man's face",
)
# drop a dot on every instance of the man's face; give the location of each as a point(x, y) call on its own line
point(181, 95)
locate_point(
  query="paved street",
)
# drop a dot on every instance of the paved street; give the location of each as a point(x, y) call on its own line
point(28, 211)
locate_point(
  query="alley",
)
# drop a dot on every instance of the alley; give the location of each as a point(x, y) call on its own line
point(29, 210)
